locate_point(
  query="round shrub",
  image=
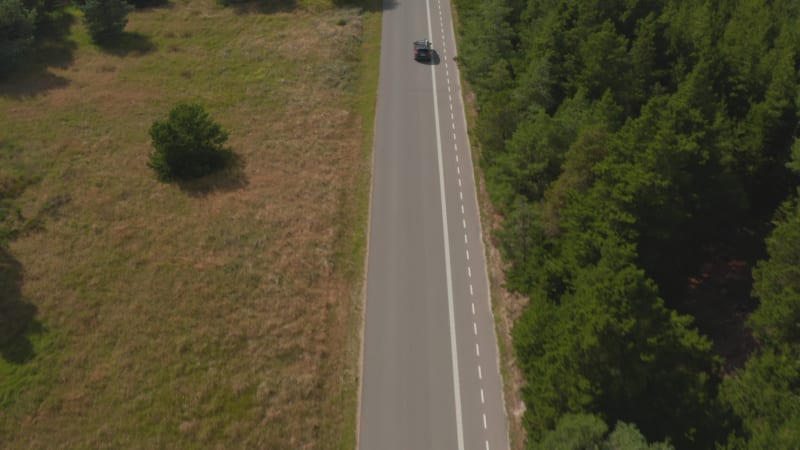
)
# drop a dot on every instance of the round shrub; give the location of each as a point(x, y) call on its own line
point(188, 144)
point(105, 19)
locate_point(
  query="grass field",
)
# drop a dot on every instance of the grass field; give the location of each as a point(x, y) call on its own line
point(222, 313)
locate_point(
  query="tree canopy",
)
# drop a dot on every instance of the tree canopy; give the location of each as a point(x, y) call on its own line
point(766, 394)
point(626, 144)
point(17, 25)
point(105, 19)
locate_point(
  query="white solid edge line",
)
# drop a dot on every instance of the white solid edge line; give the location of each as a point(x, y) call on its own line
point(451, 309)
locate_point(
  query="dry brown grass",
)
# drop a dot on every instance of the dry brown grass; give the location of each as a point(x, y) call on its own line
point(214, 314)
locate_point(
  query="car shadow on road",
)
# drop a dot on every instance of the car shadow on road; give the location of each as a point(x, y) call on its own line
point(434, 61)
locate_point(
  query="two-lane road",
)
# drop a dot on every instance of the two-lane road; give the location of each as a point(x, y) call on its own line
point(430, 376)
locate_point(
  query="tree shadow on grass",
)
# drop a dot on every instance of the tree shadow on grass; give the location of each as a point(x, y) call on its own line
point(229, 179)
point(31, 84)
point(263, 6)
point(367, 5)
point(153, 4)
point(17, 321)
point(52, 48)
point(128, 43)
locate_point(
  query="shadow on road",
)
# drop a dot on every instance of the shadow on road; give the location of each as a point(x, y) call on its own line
point(434, 61)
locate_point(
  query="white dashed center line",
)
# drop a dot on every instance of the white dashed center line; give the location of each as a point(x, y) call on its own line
point(463, 219)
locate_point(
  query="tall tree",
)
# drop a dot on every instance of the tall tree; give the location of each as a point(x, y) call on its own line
point(777, 284)
point(17, 25)
point(105, 19)
point(626, 142)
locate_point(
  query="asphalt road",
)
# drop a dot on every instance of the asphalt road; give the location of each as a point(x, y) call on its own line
point(427, 307)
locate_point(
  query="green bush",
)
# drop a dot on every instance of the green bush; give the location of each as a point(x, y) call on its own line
point(188, 144)
point(105, 19)
point(17, 26)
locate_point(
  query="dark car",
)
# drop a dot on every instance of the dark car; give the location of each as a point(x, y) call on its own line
point(423, 50)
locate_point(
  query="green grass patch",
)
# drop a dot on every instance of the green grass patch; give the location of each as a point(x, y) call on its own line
point(354, 230)
point(27, 367)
